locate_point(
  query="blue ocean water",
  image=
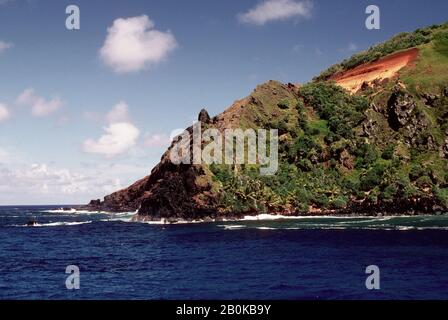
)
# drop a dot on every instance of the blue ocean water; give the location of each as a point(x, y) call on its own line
point(307, 258)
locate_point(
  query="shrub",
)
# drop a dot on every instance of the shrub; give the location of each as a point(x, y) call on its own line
point(284, 104)
point(305, 165)
point(424, 182)
point(373, 196)
point(302, 197)
point(372, 178)
point(351, 183)
point(366, 155)
point(416, 172)
point(441, 43)
point(281, 126)
point(389, 192)
point(321, 200)
point(310, 131)
point(388, 153)
point(300, 107)
point(340, 202)
point(442, 196)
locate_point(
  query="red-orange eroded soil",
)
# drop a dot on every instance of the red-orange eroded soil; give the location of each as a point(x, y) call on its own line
point(384, 68)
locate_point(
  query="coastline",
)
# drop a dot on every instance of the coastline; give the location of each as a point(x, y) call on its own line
point(273, 217)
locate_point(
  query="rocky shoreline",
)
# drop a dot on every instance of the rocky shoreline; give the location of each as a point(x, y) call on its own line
point(408, 207)
point(272, 216)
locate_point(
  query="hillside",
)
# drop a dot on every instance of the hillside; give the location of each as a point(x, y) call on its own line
point(367, 136)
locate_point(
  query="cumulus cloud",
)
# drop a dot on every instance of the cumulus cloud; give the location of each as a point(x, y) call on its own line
point(120, 135)
point(40, 107)
point(274, 10)
point(133, 44)
point(119, 138)
point(4, 112)
point(5, 45)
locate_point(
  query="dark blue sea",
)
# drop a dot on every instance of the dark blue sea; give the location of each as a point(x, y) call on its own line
point(306, 258)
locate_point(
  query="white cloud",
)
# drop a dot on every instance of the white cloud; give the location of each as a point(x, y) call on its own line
point(119, 138)
point(45, 184)
point(41, 179)
point(5, 45)
point(120, 113)
point(4, 112)
point(40, 107)
point(274, 10)
point(132, 44)
point(120, 135)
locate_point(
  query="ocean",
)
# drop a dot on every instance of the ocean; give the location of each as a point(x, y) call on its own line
point(301, 258)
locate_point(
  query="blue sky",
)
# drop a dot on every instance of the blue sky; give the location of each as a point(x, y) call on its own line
point(64, 93)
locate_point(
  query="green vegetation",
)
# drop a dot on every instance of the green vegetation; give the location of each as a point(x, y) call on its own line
point(328, 159)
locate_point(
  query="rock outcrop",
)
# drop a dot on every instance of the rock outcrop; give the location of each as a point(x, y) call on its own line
point(400, 107)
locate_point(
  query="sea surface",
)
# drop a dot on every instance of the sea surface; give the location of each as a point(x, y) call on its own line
point(264, 258)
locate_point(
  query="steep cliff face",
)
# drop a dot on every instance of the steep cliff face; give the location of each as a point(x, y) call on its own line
point(367, 136)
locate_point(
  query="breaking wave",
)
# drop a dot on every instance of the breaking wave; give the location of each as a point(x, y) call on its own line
point(54, 224)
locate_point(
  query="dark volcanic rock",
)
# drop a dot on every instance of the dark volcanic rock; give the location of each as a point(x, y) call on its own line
point(430, 99)
point(204, 117)
point(400, 108)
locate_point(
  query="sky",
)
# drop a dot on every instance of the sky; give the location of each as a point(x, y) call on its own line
point(86, 112)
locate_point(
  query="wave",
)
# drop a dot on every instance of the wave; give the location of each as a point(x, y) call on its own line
point(231, 227)
point(167, 221)
point(269, 217)
point(54, 224)
point(86, 212)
